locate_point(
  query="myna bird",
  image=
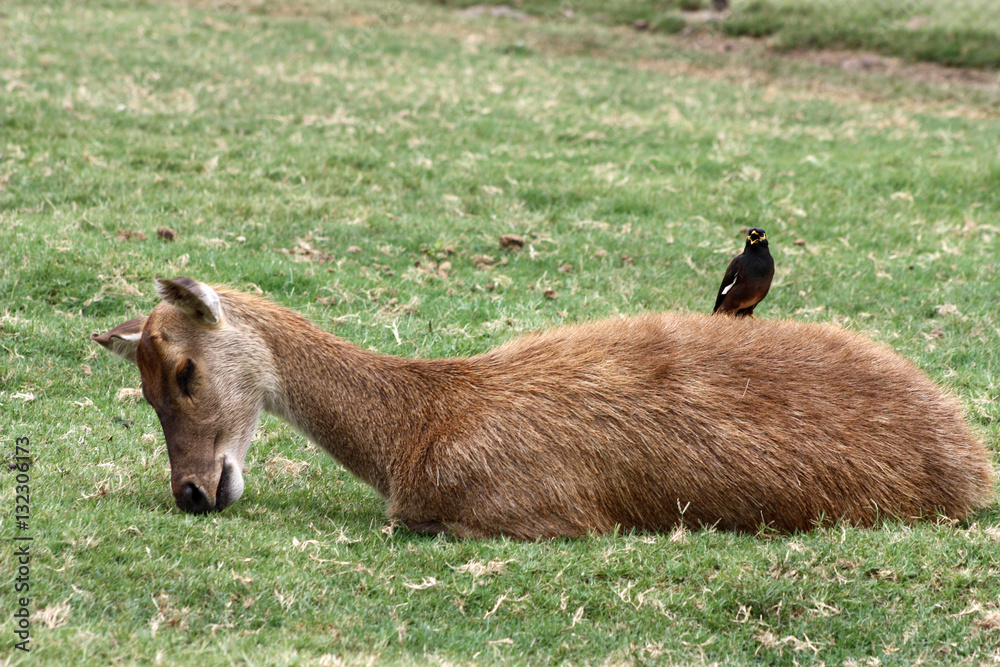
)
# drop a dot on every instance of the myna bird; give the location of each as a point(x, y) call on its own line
point(748, 277)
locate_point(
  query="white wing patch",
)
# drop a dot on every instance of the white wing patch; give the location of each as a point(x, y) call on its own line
point(725, 290)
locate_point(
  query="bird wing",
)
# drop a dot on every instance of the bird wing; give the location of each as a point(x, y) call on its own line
point(725, 290)
point(728, 282)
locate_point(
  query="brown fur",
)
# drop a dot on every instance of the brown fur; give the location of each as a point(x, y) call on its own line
point(643, 423)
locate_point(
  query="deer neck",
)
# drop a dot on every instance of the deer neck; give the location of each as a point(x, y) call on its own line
point(365, 409)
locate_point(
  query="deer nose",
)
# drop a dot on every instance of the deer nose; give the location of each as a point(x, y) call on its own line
point(192, 499)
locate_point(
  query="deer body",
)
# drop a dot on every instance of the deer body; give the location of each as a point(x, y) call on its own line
point(640, 423)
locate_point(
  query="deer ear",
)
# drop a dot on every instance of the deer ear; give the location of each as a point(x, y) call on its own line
point(123, 339)
point(194, 298)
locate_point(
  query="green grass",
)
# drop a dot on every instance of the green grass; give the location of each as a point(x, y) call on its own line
point(655, 15)
point(334, 157)
point(959, 33)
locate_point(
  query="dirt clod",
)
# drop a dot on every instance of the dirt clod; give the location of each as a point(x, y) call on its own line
point(166, 234)
point(511, 242)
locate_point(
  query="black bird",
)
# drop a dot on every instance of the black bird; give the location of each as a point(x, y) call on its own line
point(748, 277)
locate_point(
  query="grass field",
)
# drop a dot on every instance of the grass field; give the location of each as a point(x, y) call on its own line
point(358, 161)
point(960, 33)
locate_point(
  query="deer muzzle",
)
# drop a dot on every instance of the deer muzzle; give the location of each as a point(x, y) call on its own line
point(192, 497)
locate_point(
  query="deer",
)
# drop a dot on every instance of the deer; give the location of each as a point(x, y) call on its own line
point(641, 423)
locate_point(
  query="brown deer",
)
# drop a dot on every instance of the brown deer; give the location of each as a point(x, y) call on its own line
point(636, 423)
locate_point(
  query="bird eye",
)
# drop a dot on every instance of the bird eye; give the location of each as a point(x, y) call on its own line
point(185, 374)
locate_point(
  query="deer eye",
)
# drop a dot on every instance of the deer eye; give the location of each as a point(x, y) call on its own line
point(185, 374)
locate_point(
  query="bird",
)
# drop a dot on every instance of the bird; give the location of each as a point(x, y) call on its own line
point(748, 277)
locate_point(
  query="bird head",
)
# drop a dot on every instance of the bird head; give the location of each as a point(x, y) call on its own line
point(756, 235)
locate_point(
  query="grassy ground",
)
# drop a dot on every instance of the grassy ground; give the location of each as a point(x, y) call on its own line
point(358, 162)
point(961, 33)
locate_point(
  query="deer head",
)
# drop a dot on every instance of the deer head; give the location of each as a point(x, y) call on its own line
point(207, 377)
